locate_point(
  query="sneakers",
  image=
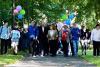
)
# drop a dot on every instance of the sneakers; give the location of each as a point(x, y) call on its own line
point(42, 56)
point(34, 56)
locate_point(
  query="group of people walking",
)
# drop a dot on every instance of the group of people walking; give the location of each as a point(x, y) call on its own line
point(42, 40)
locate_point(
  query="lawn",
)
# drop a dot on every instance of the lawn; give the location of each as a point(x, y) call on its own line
point(10, 58)
point(90, 58)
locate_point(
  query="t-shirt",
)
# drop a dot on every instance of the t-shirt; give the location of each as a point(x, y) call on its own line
point(52, 34)
point(15, 35)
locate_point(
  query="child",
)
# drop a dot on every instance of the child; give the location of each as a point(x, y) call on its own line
point(15, 35)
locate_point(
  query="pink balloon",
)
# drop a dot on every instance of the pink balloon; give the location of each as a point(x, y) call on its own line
point(18, 8)
point(15, 11)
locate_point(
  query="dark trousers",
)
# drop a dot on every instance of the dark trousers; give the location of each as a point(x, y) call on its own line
point(46, 47)
point(4, 44)
point(96, 48)
point(34, 47)
point(72, 49)
point(65, 48)
point(53, 48)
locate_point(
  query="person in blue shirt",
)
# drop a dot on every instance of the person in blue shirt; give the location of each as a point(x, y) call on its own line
point(33, 35)
point(4, 36)
point(75, 34)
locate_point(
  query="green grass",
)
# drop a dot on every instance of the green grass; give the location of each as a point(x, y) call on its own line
point(10, 58)
point(90, 58)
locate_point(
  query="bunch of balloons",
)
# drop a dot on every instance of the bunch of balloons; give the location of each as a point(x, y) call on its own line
point(71, 16)
point(19, 12)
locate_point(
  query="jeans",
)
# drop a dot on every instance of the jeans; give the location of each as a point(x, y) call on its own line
point(75, 47)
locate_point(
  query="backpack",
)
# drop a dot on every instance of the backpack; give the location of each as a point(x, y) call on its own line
point(64, 35)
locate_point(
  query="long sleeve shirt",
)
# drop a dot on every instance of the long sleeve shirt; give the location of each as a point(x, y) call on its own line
point(95, 35)
point(33, 32)
point(4, 32)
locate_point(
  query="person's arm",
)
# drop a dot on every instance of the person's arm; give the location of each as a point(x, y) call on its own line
point(30, 32)
point(92, 34)
point(19, 34)
point(37, 33)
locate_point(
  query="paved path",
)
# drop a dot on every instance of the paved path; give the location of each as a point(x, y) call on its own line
point(58, 61)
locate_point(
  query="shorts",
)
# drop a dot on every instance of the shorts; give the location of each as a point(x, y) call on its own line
point(13, 44)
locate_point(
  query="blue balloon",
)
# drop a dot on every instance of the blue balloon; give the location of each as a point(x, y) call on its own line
point(71, 16)
point(20, 16)
point(68, 21)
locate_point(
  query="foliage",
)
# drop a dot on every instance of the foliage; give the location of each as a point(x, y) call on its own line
point(88, 10)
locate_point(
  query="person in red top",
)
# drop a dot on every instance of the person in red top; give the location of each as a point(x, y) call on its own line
point(65, 39)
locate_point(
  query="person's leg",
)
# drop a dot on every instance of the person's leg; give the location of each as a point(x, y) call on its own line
point(2, 45)
point(47, 47)
point(72, 49)
point(16, 49)
point(55, 47)
point(33, 49)
point(94, 48)
point(77, 42)
point(98, 48)
point(30, 46)
point(75, 48)
point(6, 46)
point(64, 47)
point(82, 46)
point(12, 46)
point(51, 46)
point(67, 48)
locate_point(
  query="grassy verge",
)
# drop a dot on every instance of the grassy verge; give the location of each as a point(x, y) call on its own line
point(90, 58)
point(10, 58)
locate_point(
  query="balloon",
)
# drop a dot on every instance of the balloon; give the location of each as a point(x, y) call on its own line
point(22, 12)
point(59, 25)
point(68, 21)
point(64, 17)
point(20, 16)
point(71, 16)
point(18, 8)
point(15, 12)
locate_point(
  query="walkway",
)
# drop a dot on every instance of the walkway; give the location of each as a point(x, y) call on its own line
point(58, 61)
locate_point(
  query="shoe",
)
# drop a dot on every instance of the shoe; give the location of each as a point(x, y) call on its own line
point(34, 56)
point(42, 56)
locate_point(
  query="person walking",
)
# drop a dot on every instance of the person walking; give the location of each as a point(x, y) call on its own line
point(33, 35)
point(15, 35)
point(52, 36)
point(65, 34)
point(75, 34)
point(95, 38)
point(4, 35)
point(43, 40)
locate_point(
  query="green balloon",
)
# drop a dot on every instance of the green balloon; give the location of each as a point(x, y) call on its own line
point(22, 12)
point(64, 17)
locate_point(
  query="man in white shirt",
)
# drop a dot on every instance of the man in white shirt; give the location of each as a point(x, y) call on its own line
point(95, 37)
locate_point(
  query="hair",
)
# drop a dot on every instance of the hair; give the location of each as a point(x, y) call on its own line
point(53, 27)
point(5, 21)
point(97, 24)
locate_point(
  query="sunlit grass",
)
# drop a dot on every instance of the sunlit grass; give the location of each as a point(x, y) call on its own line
point(90, 58)
point(10, 58)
